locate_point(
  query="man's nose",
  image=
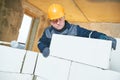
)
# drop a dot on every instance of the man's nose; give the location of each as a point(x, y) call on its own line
point(58, 22)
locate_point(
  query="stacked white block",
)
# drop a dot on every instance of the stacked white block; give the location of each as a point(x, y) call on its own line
point(11, 59)
point(29, 62)
point(52, 68)
point(84, 72)
point(94, 52)
point(39, 78)
point(15, 76)
point(57, 67)
point(115, 57)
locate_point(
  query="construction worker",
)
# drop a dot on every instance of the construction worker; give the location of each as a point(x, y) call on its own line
point(59, 25)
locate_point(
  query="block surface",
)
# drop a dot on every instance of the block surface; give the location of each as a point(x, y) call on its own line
point(14, 76)
point(52, 68)
point(94, 52)
point(11, 59)
point(84, 72)
point(29, 63)
point(115, 58)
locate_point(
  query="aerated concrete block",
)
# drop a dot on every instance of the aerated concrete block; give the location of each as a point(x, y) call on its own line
point(115, 58)
point(52, 68)
point(15, 76)
point(30, 62)
point(85, 72)
point(11, 59)
point(94, 52)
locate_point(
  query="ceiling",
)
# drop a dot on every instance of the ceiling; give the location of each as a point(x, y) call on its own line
point(84, 10)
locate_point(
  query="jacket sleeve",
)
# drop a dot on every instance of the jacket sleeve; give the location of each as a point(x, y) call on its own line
point(88, 33)
point(94, 34)
point(43, 42)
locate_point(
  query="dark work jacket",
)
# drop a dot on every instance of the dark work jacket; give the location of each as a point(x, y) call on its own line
point(69, 29)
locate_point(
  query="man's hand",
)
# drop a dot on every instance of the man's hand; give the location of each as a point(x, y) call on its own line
point(46, 52)
point(114, 41)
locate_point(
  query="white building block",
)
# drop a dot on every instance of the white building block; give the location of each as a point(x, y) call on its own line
point(84, 72)
point(93, 52)
point(52, 68)
point(14, 76)
point(11, 59)
point(41, 78)
point(29, 63)
point(115, 58)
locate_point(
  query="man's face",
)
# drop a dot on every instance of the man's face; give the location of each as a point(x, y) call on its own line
point(58, 23)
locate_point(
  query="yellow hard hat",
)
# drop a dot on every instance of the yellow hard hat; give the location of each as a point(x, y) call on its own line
point(55, 11)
